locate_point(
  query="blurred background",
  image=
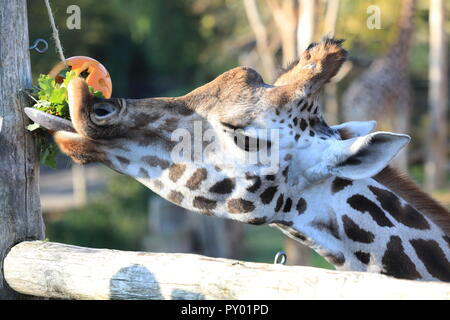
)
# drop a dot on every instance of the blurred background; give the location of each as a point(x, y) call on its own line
point(397, 74)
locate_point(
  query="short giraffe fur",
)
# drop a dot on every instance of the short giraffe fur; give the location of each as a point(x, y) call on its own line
point(332, 191)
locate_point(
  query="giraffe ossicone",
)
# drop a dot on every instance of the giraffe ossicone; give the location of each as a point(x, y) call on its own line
point(331, 189)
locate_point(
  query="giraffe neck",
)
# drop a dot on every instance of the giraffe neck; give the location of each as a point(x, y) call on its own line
point(357, 225)
point(363, 226)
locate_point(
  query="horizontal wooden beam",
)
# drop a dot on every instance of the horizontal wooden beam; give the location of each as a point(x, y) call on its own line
point(55, 270)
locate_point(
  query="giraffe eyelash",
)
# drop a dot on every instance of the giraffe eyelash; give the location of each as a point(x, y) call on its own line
point(230, 126)
point(249, 142)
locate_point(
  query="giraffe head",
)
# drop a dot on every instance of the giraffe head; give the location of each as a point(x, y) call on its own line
point(229, 146)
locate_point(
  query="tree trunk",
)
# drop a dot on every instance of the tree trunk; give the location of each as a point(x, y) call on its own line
point(436, 164)
point(285, 15)
point(20, 214)
point(306, 24)
point(262, 40)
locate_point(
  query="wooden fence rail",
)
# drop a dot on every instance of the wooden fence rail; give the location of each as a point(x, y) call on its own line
point(55, 270)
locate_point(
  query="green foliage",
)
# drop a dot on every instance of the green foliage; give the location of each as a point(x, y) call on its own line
point(114, 219)
point(52, 97)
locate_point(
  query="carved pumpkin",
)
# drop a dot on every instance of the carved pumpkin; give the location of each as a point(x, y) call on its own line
point(93, 71)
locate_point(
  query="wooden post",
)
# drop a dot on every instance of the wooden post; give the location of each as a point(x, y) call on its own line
point(79, 184)
point(20, 214)
point(62, 271)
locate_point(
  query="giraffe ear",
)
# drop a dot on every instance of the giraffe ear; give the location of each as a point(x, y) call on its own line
point(364, 157)
point(353, 129)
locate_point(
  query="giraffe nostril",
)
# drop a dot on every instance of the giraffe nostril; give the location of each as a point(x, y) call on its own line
point(103, 110)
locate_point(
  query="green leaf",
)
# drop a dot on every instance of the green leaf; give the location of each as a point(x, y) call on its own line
point(69, 76)
point(48, 155)
point(42, 105)
point(32, 127)
point(97, 93)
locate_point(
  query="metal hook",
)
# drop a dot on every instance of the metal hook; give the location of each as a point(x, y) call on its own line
point(283, 256)
point(36, 43)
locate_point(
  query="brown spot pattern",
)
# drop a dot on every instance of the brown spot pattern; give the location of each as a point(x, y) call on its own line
point(303, 124)
point(403, 214)
point(268, 194)
point(362, 204)
point(336, 259)
point(240, 206)
point(339, 184)
point(301, 206)
point(223, 187)
point(447, 239)
point(143, 119)
point(196, 179)
point(285, 174)
point(298, 235)
point(279, 203)
point(433, 258)
point(256, 182)
point(396, 263)
point(143, 173)
point(355, 233)
point(283, 223)
point(123, 161)
point(158, 184)
point(364, 257)
point(257, 221)
point(329, 226)
point(203, 203)
point(287, 205)
point(154, 161)
point(175, 196)
point(176, 171)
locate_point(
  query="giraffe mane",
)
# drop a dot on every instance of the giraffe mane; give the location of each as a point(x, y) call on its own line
point(411, 192)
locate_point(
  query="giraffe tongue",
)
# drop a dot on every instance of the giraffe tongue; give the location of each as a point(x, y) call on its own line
point(49, 121)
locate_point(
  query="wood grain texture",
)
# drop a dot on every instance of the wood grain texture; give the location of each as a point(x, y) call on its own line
point(20, 216)
point(57, 270)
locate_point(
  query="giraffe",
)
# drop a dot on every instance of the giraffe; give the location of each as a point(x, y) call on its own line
point(331, 189)
point(383, 91)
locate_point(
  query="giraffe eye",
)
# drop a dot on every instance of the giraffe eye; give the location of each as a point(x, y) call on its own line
point(250, 144)
point(231, 126)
